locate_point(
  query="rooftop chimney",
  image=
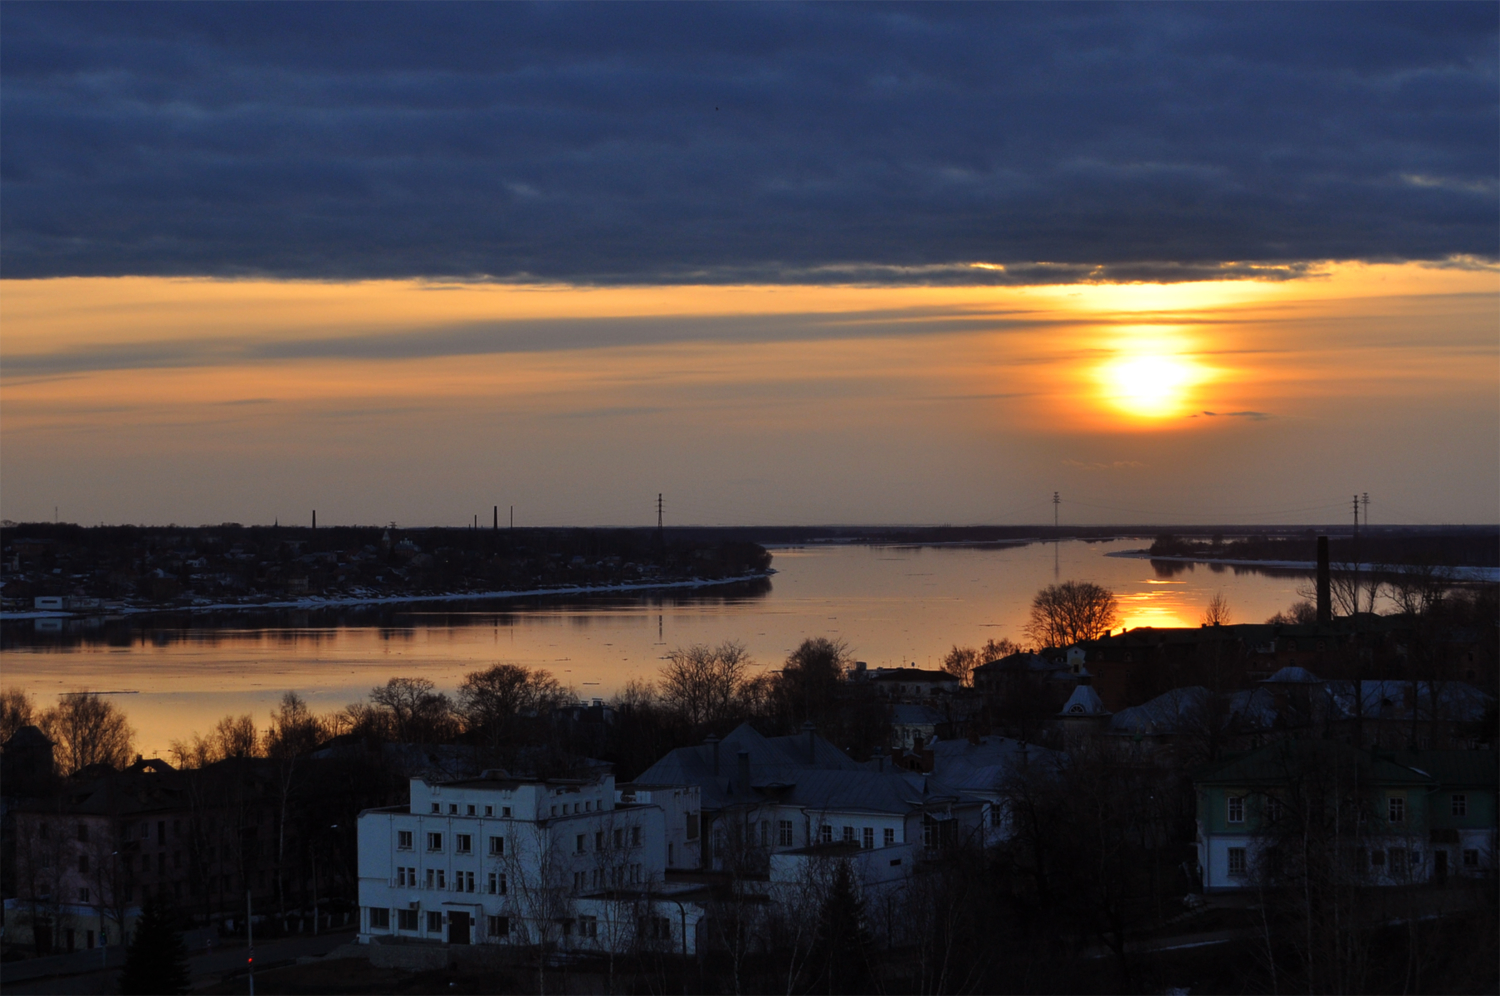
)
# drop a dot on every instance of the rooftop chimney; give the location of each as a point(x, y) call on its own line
point(713, 742)
point(812, 741)
point(1325, 599)
point(744, 772)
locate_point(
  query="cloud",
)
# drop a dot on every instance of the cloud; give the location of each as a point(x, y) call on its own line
point(744, 143)
point(1252, 416)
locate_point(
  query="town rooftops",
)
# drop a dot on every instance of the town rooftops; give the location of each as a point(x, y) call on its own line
point(910, 674)
point(1293, 675)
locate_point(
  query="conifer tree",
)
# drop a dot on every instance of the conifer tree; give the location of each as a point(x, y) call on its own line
point(841, 945)
point(157, 960)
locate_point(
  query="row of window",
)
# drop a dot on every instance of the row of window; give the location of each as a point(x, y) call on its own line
point(410, 920)
point(581, 842)
point(463, 843)
point(438, 878)
point(865, 837)
point(1395, 808)
point(598, 878)
point(437, 809)
point(1398, 859)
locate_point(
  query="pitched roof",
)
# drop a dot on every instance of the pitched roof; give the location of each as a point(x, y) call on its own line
point(1276, 763)
point(1293, 675)
point(1477, 768)
point(781, 768)
point(964, 766)
point(1084, 702)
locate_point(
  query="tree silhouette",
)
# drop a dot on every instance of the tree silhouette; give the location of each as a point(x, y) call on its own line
point(156, 961)
point(841, 944)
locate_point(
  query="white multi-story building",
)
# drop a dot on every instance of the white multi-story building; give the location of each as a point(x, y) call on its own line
point(557, 861)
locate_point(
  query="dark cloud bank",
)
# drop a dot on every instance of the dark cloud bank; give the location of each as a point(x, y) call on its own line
point(712, 142)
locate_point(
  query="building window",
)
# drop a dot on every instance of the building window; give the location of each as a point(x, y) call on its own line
point(1377, 859)
point(434, 842)
point(83, 895)
point(464, 881)
point(1236, 809)
point(929, 835)
point(1237, 861)
point(635, 836)
point(83, 864)
point(453, 808)
point(848, 835)
point(619, 837)
point(406, 919)
point(497, 846)
point(692, 826)
point(380, 918)
point(470, 810)
point(1398, 861)
point(499, 926)
point(1396, 809)
point(431, 878)
point(400, 878)
point(869, 837)
point(598, 840)
point(436, 808)
point(588, 926)
point(505, 812)
point(1274, 809)
point(554, 810)
point(1471, 858)
point(580, 843)
point(784, 833)
point(83, 833)
point(403, 840)
point(889, 837)
point(463, 843)
point(1460, 805)
point(765, 833)
point(489, 810)
point(825, 834)
point(497, 883)
point(434, 922)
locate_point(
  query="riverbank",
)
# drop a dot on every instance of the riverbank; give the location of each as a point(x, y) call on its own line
point(1457, 574)
point(312, 602)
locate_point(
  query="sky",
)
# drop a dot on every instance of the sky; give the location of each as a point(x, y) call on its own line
point(780, 263)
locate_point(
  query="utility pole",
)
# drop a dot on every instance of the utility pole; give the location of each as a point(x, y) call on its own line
point(1056, 501)
point(513, 517)
point(1365, 501)
point(249, 941)
point(497, 517)
point(658, 516)
point(315, 518)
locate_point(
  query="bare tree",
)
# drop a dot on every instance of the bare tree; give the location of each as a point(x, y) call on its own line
point(17, 709)
point(418, 713)
point(1217, 613)
point(493, 702)
point(994, 650)
point(703, 684)
point(960, 662)
point(88, 730)
point(1070, 612)
point(1299, 613)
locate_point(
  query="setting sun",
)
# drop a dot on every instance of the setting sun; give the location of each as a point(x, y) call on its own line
point(1149, 380)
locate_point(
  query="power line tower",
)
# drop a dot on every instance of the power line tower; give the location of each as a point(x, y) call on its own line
point(1056, 501)
point(658, 516)
point(1365, 501)
point(1356, 515)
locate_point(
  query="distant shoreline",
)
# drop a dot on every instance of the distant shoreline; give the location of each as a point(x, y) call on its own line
point(1454, 573)
point(318, 602)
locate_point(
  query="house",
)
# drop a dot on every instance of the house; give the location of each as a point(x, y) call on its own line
point(764, 796)
point(499, 859)
point(1387, 814)
point(912, 684)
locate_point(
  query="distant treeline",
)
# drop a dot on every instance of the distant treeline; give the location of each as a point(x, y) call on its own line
point(232, 563)
point(1462, 547)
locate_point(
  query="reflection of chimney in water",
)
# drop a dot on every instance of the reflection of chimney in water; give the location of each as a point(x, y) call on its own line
point(1325, 596)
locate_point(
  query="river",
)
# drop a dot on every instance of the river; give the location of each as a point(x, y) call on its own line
point(173, 675)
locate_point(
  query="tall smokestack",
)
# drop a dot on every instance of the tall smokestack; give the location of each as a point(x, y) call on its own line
point(1325, 597)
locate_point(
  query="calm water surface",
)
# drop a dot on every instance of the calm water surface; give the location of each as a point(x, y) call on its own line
point(891, 604)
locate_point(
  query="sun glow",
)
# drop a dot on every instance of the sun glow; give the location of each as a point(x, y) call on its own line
point(1151, 375)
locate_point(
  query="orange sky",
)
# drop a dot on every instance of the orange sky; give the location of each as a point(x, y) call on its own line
point(156, 400)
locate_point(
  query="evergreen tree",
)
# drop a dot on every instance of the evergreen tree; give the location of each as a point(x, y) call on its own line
point(157, 960)
point(840, 947)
